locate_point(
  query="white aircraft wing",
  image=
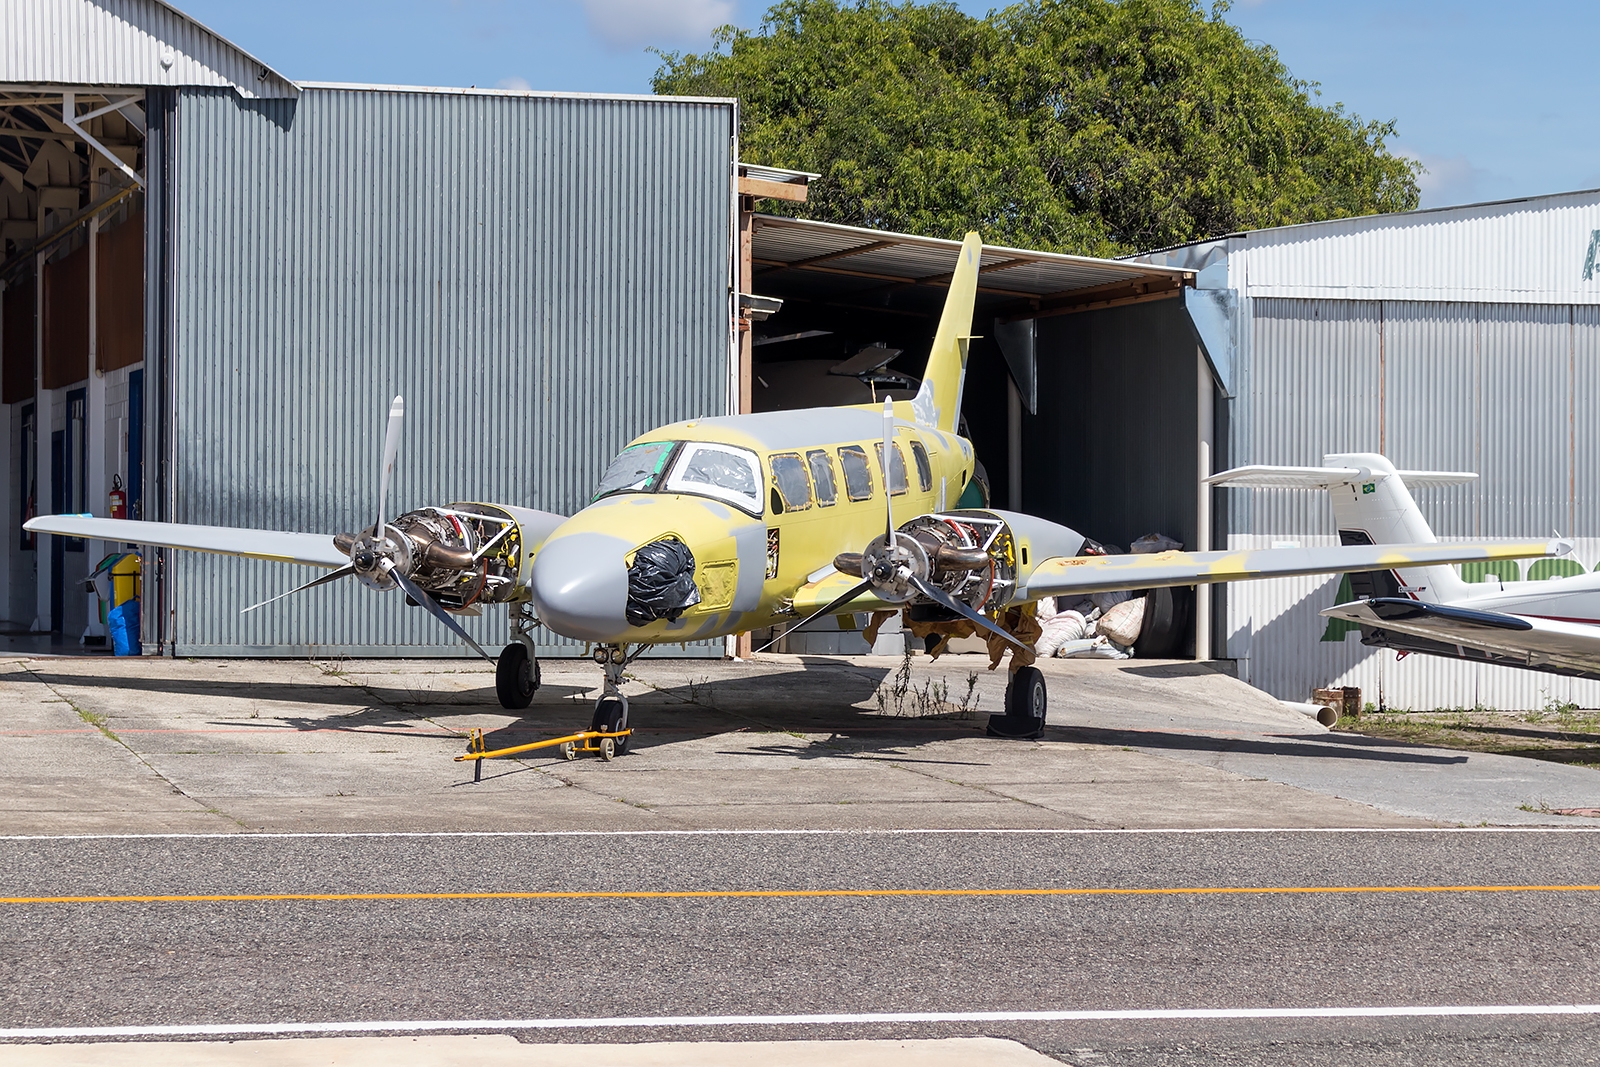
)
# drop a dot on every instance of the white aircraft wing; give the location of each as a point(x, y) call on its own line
point(315, 550)
point(1261, 476)
point(1098, 574)
point(1515, 640)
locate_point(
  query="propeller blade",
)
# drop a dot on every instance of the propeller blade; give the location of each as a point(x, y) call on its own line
point(950, 603)
point(415, 592)
point(391, 445)
point(833, 605)
point(888, 464)
point(323, 580)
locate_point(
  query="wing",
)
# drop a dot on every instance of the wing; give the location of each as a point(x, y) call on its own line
point(1099, 574)
point(315, 550)
point(1260, 476)
point(818, 594)
point(1515, 640)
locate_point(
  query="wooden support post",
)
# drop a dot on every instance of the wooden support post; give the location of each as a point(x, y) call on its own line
point(742, 643)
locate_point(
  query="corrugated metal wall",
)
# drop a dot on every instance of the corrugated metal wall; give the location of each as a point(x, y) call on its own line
point(1501, 389)
point(1111, 452)
point(542, 278)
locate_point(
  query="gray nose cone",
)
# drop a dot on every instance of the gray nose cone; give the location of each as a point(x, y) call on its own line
point(580, 587)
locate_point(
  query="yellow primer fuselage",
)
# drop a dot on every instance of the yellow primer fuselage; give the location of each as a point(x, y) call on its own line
point(748, 567)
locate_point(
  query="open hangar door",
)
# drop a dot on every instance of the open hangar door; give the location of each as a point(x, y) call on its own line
point(1089, 398)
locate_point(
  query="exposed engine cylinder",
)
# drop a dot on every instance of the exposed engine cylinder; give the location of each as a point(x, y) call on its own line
point(969, 554)
point(463, 554)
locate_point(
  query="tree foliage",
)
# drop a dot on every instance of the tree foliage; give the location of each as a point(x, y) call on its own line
point(1090, 126)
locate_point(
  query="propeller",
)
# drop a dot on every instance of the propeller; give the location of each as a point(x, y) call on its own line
point(950, 603)
point(376, 559)
point(421, 596)
point(331, 576)
point(391, 446)
point(827, 609)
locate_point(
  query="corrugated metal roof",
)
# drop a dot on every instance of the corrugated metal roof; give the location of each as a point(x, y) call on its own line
point(124, 42)
point(800, 245)
point(1535, 250)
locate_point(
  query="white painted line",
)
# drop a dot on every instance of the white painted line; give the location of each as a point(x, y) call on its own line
point(852, 1019)
point(249, 835)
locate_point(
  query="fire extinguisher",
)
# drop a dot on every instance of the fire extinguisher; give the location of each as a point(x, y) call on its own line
point(119, 499)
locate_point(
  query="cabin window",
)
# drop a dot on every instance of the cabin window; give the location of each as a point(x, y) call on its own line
point(857, 476)
point(789, 472)
point(822, 477)
point(724, 472)
point(897, 472)
point(637, 469)
point(924, 468)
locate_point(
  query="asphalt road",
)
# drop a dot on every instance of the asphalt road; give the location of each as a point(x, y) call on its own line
point(852, 923)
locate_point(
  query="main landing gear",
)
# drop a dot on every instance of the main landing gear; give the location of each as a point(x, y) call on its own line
point(516, 672)
point(1026, 701)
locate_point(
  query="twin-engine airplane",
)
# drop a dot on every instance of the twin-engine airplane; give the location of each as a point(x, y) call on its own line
point(1551, 625)
point(724, 525)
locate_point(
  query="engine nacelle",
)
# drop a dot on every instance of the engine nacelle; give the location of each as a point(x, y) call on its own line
point(971, 555)
point(463, 554)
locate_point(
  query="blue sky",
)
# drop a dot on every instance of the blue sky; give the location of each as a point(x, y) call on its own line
point(1498, 100)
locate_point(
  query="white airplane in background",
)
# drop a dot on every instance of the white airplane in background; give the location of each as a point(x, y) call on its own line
point(1552, 625)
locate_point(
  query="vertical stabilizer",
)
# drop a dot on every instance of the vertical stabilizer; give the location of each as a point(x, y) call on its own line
point(1382, 509)
point(938, 402)
point(1371, 506)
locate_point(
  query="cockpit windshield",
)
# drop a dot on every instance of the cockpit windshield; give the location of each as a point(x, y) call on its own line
point(721, 471)
point(637, 469)
point(724, 472)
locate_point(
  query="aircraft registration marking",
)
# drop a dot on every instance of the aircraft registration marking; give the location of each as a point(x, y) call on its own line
point(737, 894)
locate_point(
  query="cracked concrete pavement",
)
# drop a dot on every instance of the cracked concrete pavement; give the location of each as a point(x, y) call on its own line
point(97, 745)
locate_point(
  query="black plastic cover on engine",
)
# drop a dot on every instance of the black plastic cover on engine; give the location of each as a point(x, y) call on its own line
point(660, 582)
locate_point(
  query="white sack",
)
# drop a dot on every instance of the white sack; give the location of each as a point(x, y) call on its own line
point(1123, 622)
point(1058, 629)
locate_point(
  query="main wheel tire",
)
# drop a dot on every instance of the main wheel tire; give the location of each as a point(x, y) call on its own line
point(516, 677)
point(1025, 696)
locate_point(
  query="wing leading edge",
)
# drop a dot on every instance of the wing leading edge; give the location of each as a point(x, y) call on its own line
point(1097, 574)
point(315, 550)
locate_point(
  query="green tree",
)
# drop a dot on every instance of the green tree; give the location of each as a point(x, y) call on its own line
point(1091, 126)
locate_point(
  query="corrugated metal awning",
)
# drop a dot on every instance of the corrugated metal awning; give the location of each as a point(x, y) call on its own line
point(134, 43)
point(823, 259)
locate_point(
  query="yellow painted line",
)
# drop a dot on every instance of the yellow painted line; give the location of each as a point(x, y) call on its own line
point(736, 894)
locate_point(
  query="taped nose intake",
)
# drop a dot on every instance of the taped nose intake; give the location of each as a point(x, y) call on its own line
point(661, 582)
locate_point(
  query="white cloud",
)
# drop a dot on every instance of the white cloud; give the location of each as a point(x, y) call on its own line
point(630, 23)
point(513, 82)
point(1450, 180)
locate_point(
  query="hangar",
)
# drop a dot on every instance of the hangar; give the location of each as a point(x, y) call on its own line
point(1463, 338)
point(215, 277)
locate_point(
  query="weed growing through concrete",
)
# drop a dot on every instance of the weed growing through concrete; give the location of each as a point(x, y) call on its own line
point(701, 692)
point(969, 700)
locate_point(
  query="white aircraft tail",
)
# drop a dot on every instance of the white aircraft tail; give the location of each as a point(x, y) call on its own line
point(1371, 505)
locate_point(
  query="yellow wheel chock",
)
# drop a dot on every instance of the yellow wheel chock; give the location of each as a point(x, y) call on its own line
point(588, 741)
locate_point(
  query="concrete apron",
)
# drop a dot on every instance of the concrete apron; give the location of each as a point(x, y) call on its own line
point(787, 742)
